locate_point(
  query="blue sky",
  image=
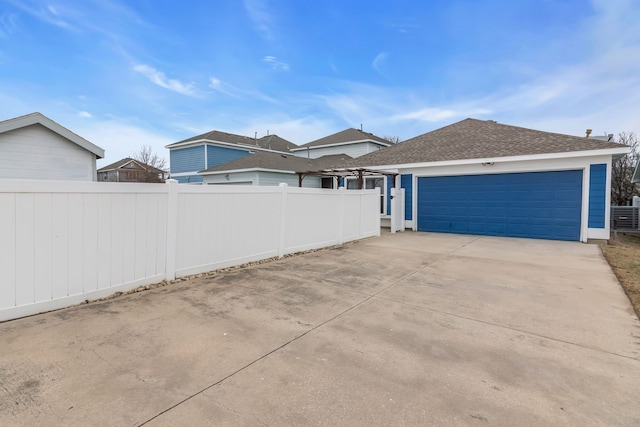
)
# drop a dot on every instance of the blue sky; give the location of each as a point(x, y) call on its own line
point(127, 73)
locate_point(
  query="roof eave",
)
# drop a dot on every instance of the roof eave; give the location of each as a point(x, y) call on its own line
point(224, 172)
point(224, 144)
point(546, 156)
point(41, 119)
point(310, 147)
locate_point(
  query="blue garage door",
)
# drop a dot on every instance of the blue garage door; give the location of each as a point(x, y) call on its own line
point(542, 205)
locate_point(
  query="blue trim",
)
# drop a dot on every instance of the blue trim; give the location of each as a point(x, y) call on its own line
point(597, 195)
point(406, 182)
point(543, 205)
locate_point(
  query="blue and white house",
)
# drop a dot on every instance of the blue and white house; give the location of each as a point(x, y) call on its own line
point(482, 177)
point(352, 142)
point(473, 176)
point(192, 155)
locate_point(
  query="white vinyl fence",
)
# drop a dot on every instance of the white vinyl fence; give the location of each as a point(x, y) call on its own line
point(65, 242)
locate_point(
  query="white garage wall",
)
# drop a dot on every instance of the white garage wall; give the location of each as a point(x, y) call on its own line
point(35, 152)
point(62, 242)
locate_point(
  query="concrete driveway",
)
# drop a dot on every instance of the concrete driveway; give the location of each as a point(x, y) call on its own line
point(406, 329)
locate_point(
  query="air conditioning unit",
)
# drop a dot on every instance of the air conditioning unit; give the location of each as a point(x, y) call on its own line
point(636, 202)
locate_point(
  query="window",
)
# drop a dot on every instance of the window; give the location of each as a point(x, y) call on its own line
point(371, 182)
point(327, 182)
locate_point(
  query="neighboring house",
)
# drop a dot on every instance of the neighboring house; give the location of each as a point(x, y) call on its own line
point(482, 177)
point(36, 147)
point(214, 148)
point(272, 168)
point(352, 142)
point(267, 168)
point(130, 170)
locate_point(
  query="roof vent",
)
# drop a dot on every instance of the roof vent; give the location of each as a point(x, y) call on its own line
point(588, 132)
point(492, 121)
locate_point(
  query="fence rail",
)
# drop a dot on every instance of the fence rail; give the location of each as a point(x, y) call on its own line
point(64, 242)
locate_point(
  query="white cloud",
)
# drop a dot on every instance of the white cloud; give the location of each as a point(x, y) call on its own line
point(48, 14)
point(434, 115)
point(8, 24)
point(159, 78)
point(379, 61)
point(297, 130)
point(84, 114)
point(214, 83)
point(219, 86)
point(273, 62)
point(259, 14)
point(120, 139)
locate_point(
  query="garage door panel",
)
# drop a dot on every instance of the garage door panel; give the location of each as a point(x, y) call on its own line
point(538, 204)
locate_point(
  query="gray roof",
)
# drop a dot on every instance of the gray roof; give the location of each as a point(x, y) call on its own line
point(41, 119)
point(347, 135)
point(126, 160)
point(271, 142)
point(479, 139)
point(282, 162)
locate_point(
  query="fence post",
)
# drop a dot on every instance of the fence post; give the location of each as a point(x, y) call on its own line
point(402, 208)
point(172, 228)
point(341, 190)
point(283, 218)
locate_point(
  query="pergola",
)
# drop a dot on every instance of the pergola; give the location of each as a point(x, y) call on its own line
point(338, 173)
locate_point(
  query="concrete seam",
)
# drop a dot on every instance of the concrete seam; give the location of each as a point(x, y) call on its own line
point(507, 327)
point(253, 362)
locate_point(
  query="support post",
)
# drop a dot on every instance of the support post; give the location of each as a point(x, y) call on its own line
point(283, 218)
point(341, 219)
point(172, 229)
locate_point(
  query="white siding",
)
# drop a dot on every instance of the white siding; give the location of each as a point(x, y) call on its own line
point(273, 178)
point(353, 150)
point(35, 152)
point(239, 178)
point(263, 179)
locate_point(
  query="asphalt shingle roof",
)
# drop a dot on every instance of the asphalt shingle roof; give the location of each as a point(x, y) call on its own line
point(478, 139)
point(346, 135)
point(126, 160)
point(282, 162)
point(272, 142)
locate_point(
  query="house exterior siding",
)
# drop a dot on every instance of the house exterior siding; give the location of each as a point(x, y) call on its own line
point(189, 179)
point(406, 182)
point(186, 162)
point(597, 195)
point(262, 178)
point(353, 150)
point(187, 159)
point(219, 155)
point(35, 152)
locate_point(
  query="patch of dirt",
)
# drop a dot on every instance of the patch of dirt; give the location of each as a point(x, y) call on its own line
point(623, 256)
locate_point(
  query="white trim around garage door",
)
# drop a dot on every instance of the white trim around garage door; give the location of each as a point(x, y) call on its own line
point(519, 167)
